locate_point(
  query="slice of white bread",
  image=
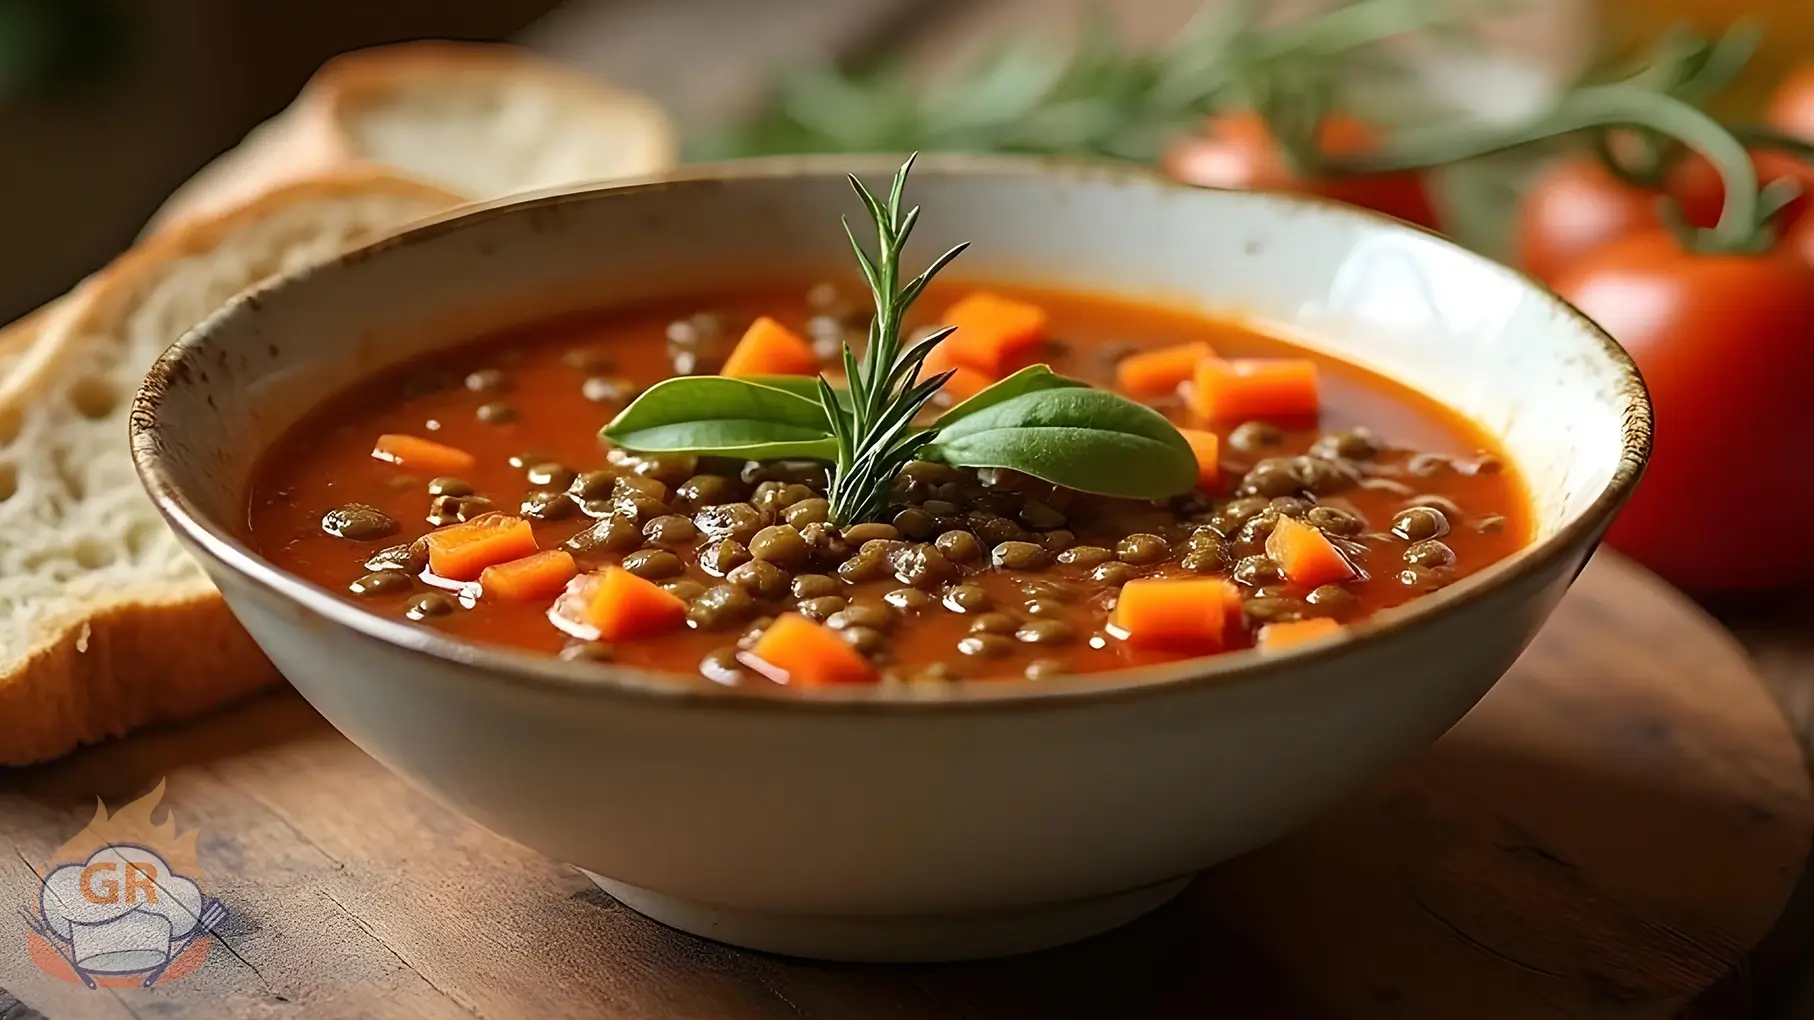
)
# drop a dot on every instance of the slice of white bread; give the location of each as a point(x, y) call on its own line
point(105, 623)
point(17, 337)
point(485, 120)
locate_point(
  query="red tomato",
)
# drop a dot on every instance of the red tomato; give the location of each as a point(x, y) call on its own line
point(1726, 344)
point(1238, 151)
point(1798, 242)
point(1574, 207)
point(1697, 186)
point(1792, 105)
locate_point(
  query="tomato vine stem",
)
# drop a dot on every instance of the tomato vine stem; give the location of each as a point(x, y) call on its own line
point(1686, 67)
point(1742, 225)
point(1758, 137)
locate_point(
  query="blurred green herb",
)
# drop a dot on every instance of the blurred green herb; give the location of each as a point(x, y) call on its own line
point(1101, 98)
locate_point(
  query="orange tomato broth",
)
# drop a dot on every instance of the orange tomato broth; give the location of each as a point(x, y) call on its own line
point(325, 460)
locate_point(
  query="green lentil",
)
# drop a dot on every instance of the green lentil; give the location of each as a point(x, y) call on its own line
point(867, 640)
point(985, 646)
point(914, 523)
point(720, 606)
point(968, 598)
point(959, 546)
point(487, 380)
point(1257, 570)
point(1045, 632)
point(1142, 550)
point(760, 578)
point(821, 609)
point(857, 534)
point(615, 533)
point(908, 600)
point(358, 522)
point(593, 485)
point(428, 606)
point(547, 505)
point(495, 412)
point(653, 564)
point(1085, 556)
point(808, 511)
point(1114, 573)
point(812, 586)
point(721, 557)
point(707, 490)
point(994, 623)
point(409, 558)
point(1041, 516)
point(382, 582)
point(879, 615)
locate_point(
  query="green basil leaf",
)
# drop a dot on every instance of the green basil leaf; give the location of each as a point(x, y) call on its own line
point(711, 415)
point(1028, 380)
point(1085, 439)
point(802, 386)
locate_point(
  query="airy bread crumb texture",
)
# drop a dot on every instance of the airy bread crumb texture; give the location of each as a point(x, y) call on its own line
point(107, 624)
point(492, 135)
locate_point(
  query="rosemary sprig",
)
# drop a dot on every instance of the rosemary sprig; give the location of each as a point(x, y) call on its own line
point(876, 436)
point(1034, 421)
point(1101, 99)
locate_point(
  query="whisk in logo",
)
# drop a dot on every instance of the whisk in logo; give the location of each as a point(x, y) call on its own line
point(122, 903)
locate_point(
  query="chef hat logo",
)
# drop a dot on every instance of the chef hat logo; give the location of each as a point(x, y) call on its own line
point(120, 903)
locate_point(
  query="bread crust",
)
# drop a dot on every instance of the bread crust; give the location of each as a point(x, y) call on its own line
point(105, 293)
point(314, 134)
point(348, 82)
point(290, 146)
point(157, 652)
point(17, 337)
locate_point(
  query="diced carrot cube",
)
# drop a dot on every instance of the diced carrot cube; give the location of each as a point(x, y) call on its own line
point(797, 651)
point(418, 454)
point(1305, 555)
point(1157, 373)
point(461, 552)
point(769, 348)
point(624, 607)
point(1275, 636)
point(1208, 449)
point(1189, 614)
point(992, 332)
point(530, 579)
point(1254, 388)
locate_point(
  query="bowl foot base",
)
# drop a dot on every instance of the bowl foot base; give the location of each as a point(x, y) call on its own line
point(899, 938)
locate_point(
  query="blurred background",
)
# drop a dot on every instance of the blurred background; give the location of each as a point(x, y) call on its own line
point(107, 105)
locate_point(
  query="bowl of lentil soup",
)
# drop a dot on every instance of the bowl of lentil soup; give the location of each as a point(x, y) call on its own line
point(817, 606)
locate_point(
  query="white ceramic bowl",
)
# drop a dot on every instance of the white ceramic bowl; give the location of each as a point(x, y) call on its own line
point(874, 823)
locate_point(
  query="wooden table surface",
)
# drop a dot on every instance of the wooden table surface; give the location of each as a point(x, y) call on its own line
point(1779, 633)
point(1612, 834)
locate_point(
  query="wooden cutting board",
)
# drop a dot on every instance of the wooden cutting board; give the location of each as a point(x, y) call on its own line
point(1614, 832)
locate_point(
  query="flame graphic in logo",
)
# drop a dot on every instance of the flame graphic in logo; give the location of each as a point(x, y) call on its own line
point(92, 863)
